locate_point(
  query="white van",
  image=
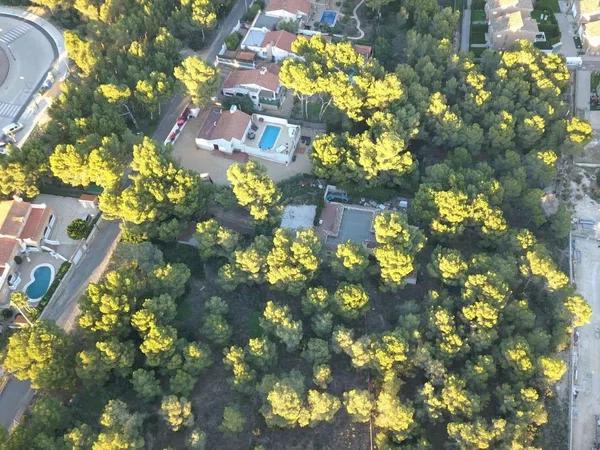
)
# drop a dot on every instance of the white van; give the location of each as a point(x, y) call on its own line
point(12, 128)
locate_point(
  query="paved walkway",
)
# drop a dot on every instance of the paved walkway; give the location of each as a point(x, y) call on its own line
point(582, 93)
point(565, 25)
point(466, 28)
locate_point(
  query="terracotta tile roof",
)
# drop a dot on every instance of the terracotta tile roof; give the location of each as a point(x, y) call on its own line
point(514, 22)
point(364, 50)
point(13, 214)
point(19, 320)
point(592, 29)
point(292, 6)
point(261, 77)
point(589, 6)
point(7, 249)
point(246, 56)
point(88, 198)
point(280, 39)
point(224, 125)
point(36, 222)
point(503, 4)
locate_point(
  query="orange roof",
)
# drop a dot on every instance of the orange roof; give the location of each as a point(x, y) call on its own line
point(13, 215)
point(280, 39)
point(261, 77)
point(20, 320)
point(363, 50)
point(224, 125)
point(246, 55)
point(292, 6)
point(7, 249)
point(36, 222)
point(89, 198)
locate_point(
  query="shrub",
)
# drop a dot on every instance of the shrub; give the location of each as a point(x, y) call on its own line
point(243, 103)
point(233, 40)
point(252, 12)
point(78, 229)
point(288, 25)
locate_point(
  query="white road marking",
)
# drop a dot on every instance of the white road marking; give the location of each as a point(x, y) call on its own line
point(8, 109)
point(14, 34)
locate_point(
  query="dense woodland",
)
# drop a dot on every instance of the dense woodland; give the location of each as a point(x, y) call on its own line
point(270, 340)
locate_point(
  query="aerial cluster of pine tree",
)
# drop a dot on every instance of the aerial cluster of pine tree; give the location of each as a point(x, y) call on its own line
point(277, 331)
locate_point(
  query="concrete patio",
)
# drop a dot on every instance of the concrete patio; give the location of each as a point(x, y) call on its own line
point(66, 210)
point(189, 156)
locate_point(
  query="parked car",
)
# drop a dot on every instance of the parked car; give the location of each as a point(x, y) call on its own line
point(12, 128)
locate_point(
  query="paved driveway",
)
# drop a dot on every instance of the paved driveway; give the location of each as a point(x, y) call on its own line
point(189, 156)
point(565, 25)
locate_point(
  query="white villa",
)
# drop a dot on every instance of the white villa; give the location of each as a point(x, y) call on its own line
point(270, 138)
point(296, 10)
point(24, 227)
point(261, 85)
point(273, 46)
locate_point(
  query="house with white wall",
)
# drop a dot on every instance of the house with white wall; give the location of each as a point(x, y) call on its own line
point(585, 11)
point(230, 131)
point(294, 10)
point(273, 46)
point(261, 85)
point(24, 227)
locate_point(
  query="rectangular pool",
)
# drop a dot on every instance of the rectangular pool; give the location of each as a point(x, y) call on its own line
point(329, 17)
point(269, 137)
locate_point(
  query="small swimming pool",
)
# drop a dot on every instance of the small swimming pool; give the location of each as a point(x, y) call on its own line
point(41, 277)
point(269, 137)
point(329, 17)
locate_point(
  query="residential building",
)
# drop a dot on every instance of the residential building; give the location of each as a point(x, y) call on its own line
point(366, 51)
point(590, 37)
point(265, 22)
point(24, 228)
point(585, 11)
point(273, 46)
point(266, 137)
point(296, 10)
point(497, 8)
point(261, 85)
point(238, 58)
point(504, 30)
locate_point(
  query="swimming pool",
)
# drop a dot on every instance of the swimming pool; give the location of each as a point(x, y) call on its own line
point(41, 277)
point(269, 137)
point(329, 17)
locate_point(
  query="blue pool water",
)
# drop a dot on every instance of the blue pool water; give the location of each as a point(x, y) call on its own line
point(42, 277)
point(329, 17)
point(269, 137)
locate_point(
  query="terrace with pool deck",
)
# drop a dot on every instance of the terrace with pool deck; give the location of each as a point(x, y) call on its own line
point(233, 131)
